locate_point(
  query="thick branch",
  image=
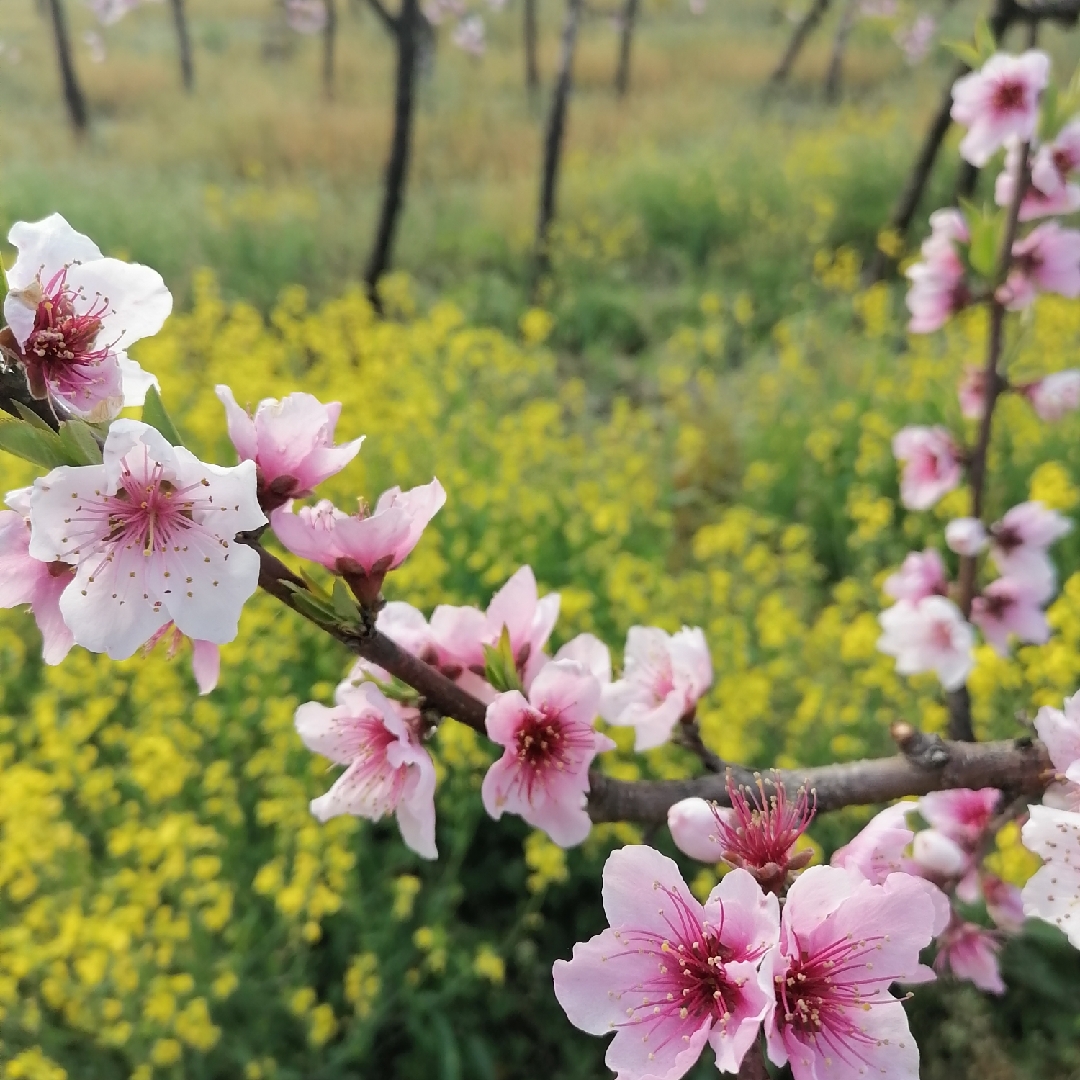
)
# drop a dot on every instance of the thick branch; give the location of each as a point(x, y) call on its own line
point(798, 38)
point(1020, 766)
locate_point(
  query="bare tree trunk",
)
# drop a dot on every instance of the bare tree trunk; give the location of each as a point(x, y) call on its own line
point(835, 77)
point(556, 130)
point(406, 37)
point(183, 39)
point(532, 62)
point(73, 95)
point(329, 43)
point(626, 38)
point(802, 31)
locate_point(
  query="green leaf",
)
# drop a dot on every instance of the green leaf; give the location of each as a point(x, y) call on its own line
point(982, 253)
point(154, 414)
point(309, 605)
point(965, 52)
point(79, 441)
point(985, 41)
point(345, 606)
point(32, 444)
point(31, 417)
point(500, 668)
point(1050, 116)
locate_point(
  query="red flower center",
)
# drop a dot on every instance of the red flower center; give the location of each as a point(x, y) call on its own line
point(63, 340)
point(1009, 95)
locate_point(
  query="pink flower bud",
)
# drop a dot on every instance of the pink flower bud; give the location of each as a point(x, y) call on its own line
point(966, 536)
point(692, 823)
point(1054, 396)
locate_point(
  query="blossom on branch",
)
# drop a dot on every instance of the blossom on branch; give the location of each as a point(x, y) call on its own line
point(362, 547)
point(670, 974)
point(692, 824)
point(1053, 893)
point(387, 768)
point(931, 462)
point(291, 442)
point(1054, 396)
point(151, 533)
point(1007, 606)
point(966, 536)
point(843, 941)
point(931, 635)
point(71, 314)
point(921, 574)
point(664, 677)
point(1060, 732)
point(999, 102)
point(972, 392)
point(938, 281)
point(963, 814)
point(1019, 543)
point(1057, 197)
point(549, 742)
point(878, 850)
point(970, 952)
point(1046, 260)
point(26, 580)
point(205, 656)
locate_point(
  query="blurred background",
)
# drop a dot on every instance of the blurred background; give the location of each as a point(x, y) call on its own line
point(678, 409)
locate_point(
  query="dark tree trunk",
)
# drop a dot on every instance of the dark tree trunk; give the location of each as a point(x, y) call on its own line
point(329, 43)
point(799, 37)
point(183, 40)
point(556, 130)
point(406, 38)
point(532, 62)
point(835, 77)
point(73, 95)
point(626, 40)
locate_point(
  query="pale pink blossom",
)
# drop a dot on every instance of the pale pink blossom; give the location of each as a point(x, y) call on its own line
point(931, 635)
point(1046, 260)
point(468, 36)
point(1060, 732)
point(692, 823)
point(365, 546)
point(73, 313)
point(843, 941)
point(387, 768)
point(938, 291)
point(963, 814)
point(25, 580)
point(459, 634)
point(879, 849)
point(970, 952)
point(948, 227)
point(966, 536)
point(1007, 606)
point(999, 102)
point(664, 677)
point(151, 532)
point(938, 857)
point(972, 392)
point(306, 16)
point(549, 742)
point(1004, 903)
point(1057, 197)
point(1053, 164)
point(1053, 893)
point(589, 651)
point(1054, 396)
point(205, 656)
point(921, 574)
point(915, 40)
point(670, 974)
point(1019, 543)
point(406, 626)
point(291, 442)
point(931, 462)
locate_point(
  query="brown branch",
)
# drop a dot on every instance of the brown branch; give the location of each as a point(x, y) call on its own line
point(390, 22)
point(1020, 766)
point(799, 36)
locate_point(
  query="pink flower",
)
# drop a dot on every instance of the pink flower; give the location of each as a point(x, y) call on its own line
point(972, 392)
point(670, 975)
point(1054, 396)
point(966, 536)
point(921, 574)
point(549, 743)
point(998, 102)
point(970, 952)
point(151, 535)
point(291, 442)
point(1009, 607)
point(1052, 165)
point(1019, 543)
point(1047, 260)
point(664, 677)
point(388, 769)
point(878, 850)
point(365, 546)
point(931, 465)
point(25, 580)
point(589, 651)
point(306, 16)
point(205, 656)
point(1053, 893)
point(938, 857)
point(962, 814)
point(938, 287)
point(692, 823)
point(459, 634)
point(1060, 732)
point(948, 227)
point(406, 626)
point(843, 941)
point(915, 40)
point(1038, 201)
point(1004, 903)
point(73, 313)
point(931, 635)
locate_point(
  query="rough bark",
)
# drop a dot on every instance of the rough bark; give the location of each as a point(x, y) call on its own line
point(627, 22)
point(799, 36)
point(183, 41)
point(74, 98)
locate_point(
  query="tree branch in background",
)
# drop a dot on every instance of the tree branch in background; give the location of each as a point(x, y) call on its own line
point(531, 42)
point(183, 40)
point(406, 30)
point(803, 29)
point(329, 48)
point(555, 134)
point(835, 76)
point(73, 95)
point(626, 39)
point(390, 23)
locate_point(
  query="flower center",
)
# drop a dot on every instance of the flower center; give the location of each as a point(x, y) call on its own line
point(1007, 538)
point(1009, 96)
point(541, 742)
point(380, 783)
point(148, 511)
point(62, 339)
point(941, 634)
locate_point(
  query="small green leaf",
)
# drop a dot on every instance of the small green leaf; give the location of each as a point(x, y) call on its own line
point(345, 606)
point(32, 444)
point(500, 667)
point(982, 254)
point(154, 414)
point(315, 589)
point(965, 52)
point(1050, 117)
point(31, 417)
point(78, 440)
point(985, 41)
point(309, 605)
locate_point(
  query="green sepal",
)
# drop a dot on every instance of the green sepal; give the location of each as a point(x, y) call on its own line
point(311, 606)
point(154, 414)
point(343, 603)
point(500, 668)
point(985, 227)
